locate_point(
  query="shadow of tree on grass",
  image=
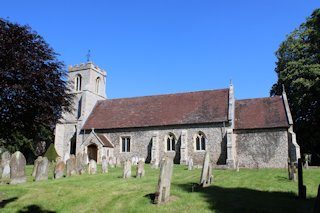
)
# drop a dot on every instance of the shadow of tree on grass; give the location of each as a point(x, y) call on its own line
point(3, 203)
point(249, 200)
point(34, 209)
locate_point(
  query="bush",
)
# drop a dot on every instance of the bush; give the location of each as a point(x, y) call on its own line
point(51, 153)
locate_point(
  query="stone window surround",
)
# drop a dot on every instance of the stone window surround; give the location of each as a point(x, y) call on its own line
point(98, 79)
point(173, 136)
point(120, 143)
point(77, 82)
point(202, 135)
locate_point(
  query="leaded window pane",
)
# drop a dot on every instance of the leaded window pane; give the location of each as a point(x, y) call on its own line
point(198, 143)
point(203, 144)
point(128, 144)
point(173, 144)
point(168, 144)
point(123, 145)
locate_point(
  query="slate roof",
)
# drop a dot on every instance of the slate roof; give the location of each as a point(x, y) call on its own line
point(260, 113)
point(160, 110)
point(105, 141)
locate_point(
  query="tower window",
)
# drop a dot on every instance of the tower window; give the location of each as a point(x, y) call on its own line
point(77, 83)
point(97, 84)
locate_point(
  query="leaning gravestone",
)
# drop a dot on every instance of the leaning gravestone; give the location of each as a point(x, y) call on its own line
point(206, 175)
point(302, 190)
point(59, 169)
point(190, 164)
point(17, 168)
point(35, 166)
point(140, 169)
point(71, 166)
point(111, 162)
point(126, 169)
point(92, 168)
point(80, 164)
point(5, 160)
point(43, 167)
point(104, 164)
point(164, 183)
point(118, 163)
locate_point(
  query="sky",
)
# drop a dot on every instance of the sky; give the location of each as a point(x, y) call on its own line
point(151, 47)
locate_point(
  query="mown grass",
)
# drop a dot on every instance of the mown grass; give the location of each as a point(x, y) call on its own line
point(264, 190)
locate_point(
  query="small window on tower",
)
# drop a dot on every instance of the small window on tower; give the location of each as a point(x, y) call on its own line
point(77, 83)
point(97, 84)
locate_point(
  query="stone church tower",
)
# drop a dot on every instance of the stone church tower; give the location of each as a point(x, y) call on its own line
point(88, 83)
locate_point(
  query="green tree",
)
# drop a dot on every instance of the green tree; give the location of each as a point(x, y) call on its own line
point(298, 69)
point(32, 90)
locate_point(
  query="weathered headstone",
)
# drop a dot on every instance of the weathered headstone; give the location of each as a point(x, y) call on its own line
point(237, 166)
point(306, 159)
point(6, 171)
point(5, 160)
point(301, 188)
point(92, 169)
point(66, 157)
point(17, 168)
point(81, 165)
point(190, 164)
point(317, 204)
point(126, 169)
point(104, 165)
point(59, 169)
point(206, 175)
point(111, 162)
point(35, 166)
point(118, 163)
point(140, 169)
point(71, 166)
point(43, 167)
point(164, 183)
point(154, 164)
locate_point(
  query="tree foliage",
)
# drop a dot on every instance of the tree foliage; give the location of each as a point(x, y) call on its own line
point(32, 90)
point(298, 69)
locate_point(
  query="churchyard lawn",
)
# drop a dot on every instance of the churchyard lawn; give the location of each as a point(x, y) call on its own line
point(264, 190)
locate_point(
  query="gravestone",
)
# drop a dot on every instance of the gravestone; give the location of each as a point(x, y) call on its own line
point(43, 167)
point(71, 166)
point(126, 169)
point(92, 169)
point(118, 163)
point(237, 166)
point(301, 188)
point(111, 162)
point(66, 157)
point(317, 204)
point(104, 165)
point(190, 164)
point(140, 169)
point(17, 168)
point(164, 183)
point(5, 160)
point(206, 175)
point(6, 171)
point(35, 166)
point(59, 169)
point(306, 164)
point(154, 164)
point(80, 163)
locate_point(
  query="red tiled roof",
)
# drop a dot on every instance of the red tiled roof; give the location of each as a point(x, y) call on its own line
point(105, 141)
point(260, 113)
point(181, 108)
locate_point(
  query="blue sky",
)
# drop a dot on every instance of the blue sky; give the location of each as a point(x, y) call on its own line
point(157, 47)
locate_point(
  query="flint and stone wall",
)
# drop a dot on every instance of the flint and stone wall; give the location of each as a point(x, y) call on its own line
point(141, 142)
point(266, 148)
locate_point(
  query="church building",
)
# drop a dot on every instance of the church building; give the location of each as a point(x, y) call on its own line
point(253, 133)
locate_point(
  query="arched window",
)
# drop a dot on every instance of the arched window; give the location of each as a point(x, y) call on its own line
point(77, 83)
point(171, 142)
point(97, 84)
point(200, 142)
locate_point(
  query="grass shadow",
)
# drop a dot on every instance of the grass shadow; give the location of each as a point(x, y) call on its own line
point(3, 203)
point(34, 209)
point(151, 196)
point(224, 200)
